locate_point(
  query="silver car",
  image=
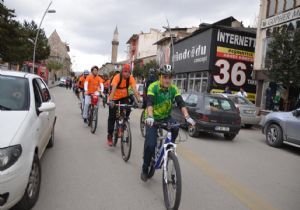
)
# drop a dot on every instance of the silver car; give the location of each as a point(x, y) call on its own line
point(282, 127)
point(248, 112)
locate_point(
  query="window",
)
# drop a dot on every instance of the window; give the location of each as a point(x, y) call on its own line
point(44, 91)
point(14, 93)
point(272, 7)
point(280, 6)
point(218, 104)
point(192, 100)
point(289, 4)
point(37, 95)
point(198, 82)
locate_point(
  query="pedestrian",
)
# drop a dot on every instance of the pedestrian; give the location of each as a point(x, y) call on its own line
point(227, 90)
point(242, 93)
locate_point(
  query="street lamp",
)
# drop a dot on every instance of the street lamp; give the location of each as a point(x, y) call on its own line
point(38, 32)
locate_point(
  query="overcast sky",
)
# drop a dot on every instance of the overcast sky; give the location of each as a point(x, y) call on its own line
point(88, 25)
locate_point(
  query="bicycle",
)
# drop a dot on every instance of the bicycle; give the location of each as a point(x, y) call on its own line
point(165, 153)
point(122, 130)
point(93, 112)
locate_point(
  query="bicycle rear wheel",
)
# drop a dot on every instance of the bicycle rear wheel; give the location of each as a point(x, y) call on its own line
point(172, 189)
point(94, 119)
point(142, 123)
point(152, 169)
point(115, 135)
point(126, 142)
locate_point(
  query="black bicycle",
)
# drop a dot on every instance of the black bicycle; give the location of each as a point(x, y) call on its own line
point(93, 113)
point(122, 130)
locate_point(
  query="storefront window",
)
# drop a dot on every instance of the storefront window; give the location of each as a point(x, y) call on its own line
point(272, 7)
point(280, 6)
point(289, 4)
point(197, 82)
point(179, 81)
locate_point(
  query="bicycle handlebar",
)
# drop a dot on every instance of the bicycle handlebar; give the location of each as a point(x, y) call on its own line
point(168, 125)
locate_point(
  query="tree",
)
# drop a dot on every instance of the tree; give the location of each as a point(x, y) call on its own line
point(143, 70)
point(283, 58)
point(54, 65)
point(16, 43)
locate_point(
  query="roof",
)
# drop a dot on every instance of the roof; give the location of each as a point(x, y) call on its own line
point(222, 24)
point(133, 37)
point(18, 74)
point(162, 40)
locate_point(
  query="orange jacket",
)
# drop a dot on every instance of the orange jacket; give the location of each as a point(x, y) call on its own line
point(94, 83)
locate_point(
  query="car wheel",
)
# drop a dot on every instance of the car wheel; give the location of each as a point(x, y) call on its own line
point(274, 135)
point(229, 136)
point(192, 131)
point(32, 191)
point(51, 140)
point(248, 126)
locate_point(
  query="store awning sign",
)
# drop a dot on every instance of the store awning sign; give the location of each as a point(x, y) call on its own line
point(282, 18)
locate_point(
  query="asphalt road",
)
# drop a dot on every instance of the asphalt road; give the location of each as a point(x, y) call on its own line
point(82, 172)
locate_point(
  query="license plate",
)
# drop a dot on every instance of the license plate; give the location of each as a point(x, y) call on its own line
point(220, 128)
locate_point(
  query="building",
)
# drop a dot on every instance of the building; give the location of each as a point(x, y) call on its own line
point(59, 53)
point(215, 56)
point(273, 15)
point(165, 43)
point(115, 44)
point(141, 48)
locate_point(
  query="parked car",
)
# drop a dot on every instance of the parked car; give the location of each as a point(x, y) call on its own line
point(249, 114)
point(282, 127)
point(212, 113)
point(62, 81)
point(27, 121)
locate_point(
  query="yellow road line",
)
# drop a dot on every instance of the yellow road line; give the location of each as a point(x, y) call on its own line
point(244, 195)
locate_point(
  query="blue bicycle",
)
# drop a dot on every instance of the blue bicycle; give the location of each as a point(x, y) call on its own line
point(165, 157)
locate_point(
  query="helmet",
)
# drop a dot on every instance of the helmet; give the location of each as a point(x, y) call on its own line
point(152, 71)
point(166, 70)
point(86, 72)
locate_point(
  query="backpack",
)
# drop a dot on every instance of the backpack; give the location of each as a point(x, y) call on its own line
point(118, 85)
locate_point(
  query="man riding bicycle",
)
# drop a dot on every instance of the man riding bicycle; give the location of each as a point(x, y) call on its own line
point(152, 77)
point(81, 81)
point(160, 97)
point(119, 93)
point(93, 83)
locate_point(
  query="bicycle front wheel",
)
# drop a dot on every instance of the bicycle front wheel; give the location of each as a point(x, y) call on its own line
point(94, 119)
point(142, 123)
point(172, 188)
point(126, 142)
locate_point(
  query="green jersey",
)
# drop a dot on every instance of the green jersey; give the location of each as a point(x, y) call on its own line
point(162, 100)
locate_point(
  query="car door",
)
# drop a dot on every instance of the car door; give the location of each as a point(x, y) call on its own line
point(293, 127)
point(42, 119)
point(47, 98)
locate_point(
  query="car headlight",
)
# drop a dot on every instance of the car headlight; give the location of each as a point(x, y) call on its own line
point(9, 155)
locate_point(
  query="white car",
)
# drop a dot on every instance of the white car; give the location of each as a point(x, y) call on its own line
point(27, 120)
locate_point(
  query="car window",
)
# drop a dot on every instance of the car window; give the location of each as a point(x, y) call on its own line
point(37, 94)
point(44, 90)
point(242, 101)
point(14, 93)
point(218, 104)
point(192, 100)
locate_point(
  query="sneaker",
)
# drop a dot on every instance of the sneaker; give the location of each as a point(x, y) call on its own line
point(144, 176)
point(109, 140)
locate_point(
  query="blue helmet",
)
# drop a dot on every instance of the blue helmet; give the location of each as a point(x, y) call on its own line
point(86, 72)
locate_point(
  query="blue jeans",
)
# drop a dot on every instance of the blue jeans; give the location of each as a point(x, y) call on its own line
point(151, 141)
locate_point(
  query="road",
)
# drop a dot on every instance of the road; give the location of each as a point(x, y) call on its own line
point(82, 172)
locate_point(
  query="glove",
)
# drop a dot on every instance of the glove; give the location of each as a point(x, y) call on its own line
point(149, 121)
point(190, 121)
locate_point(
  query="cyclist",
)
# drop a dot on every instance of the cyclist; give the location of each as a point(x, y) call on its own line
point(160, 97)
point(81, 84)
point(152, 77)
point(92, 84)
point(119, 93)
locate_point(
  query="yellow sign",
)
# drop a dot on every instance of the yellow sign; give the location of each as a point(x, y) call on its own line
point(251, 96)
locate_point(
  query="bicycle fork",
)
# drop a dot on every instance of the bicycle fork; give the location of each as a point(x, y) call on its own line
point(169, 147)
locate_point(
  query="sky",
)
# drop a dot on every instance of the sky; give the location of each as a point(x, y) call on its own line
point(88, 25)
